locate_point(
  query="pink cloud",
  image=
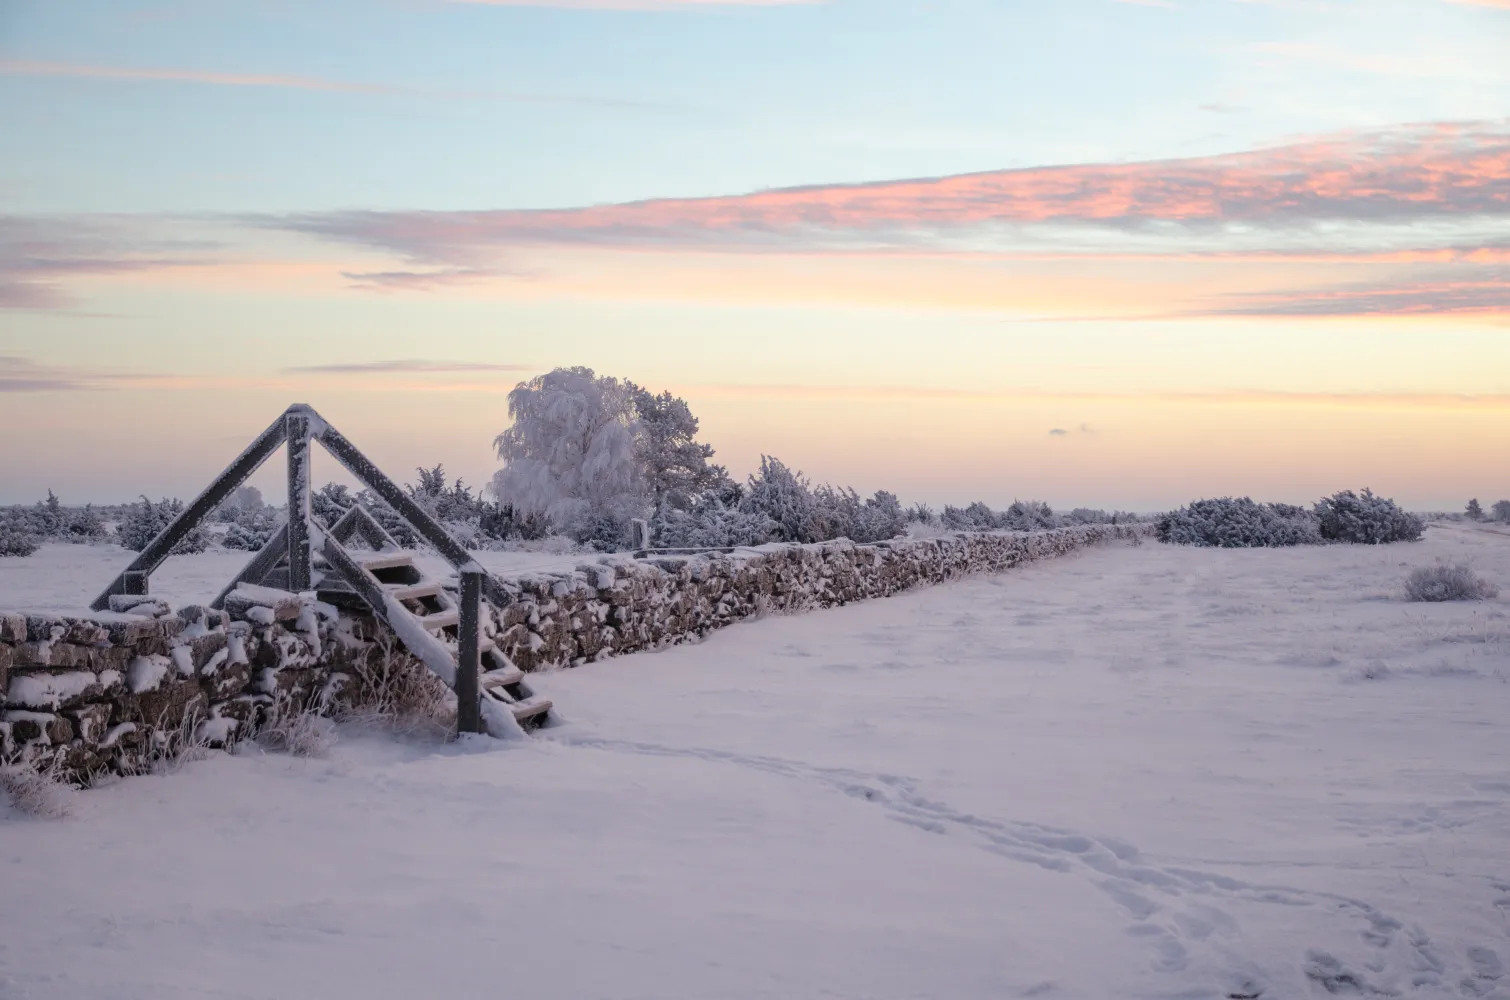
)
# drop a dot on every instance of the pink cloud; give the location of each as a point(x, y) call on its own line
point(1441, 171)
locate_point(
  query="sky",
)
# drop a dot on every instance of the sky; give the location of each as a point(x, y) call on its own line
point(1098, 252)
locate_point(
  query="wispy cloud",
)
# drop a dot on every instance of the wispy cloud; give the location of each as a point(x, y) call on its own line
point(1486, 294)
point(409, 366)
point(22, 374)
point(38, 256)
point(1228, 397)
point(214, 78)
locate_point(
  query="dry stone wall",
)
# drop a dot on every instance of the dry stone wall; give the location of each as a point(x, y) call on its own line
point(621, 605)
point(110, 691)
point(114, 690)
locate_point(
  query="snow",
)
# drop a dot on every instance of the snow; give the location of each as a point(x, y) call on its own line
point(146, 673)
point(48, 691)
point(1145, 771)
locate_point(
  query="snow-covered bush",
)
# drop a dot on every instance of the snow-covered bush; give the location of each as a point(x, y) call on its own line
point(1474, 511)
point(16, 538)
point(709, 523)
point(921, 513)
point(1447, 582)
point(785, 498)
point(146, 520)
point(1238, 522)
point(571, 453)
point(1501, 510)
point(49, 520)
point(1366, 519)
point(1029, 515)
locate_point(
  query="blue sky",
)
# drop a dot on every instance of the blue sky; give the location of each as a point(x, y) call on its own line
point(1252, 215)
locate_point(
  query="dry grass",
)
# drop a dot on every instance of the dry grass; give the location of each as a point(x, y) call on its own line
point(36, 790)
point(391, 691)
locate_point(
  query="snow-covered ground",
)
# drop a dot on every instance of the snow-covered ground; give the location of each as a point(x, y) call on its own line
point(67, 577)
point(1137, 772)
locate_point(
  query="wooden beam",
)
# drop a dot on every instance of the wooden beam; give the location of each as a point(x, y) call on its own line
point(214, 495)
point(469, 653)
point(394, 495)
point(357, 520)
point(296, 431)
point(256, 570)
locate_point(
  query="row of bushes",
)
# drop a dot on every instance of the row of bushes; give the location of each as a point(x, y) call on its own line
point(1239, 522)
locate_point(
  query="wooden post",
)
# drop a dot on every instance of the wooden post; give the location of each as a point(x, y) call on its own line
point(134, 581)
point(469, 653)
point(296, 431)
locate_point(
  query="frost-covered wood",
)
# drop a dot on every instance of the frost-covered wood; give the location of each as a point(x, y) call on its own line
point(300, 557)
point(224, 485)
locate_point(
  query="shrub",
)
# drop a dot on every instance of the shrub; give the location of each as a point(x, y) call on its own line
point(921, 513)
point(15, 535)
point(709, 523)
point(1238, 522)
point(1366, 519)
point(15, 542)
point(1445, 582)
point(146, 520)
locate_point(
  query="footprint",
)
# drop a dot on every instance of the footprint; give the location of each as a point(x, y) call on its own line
point(1325, 968)
point(1487, 969)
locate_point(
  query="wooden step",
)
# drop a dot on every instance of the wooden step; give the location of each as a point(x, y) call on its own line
point(439, 620)
point(414, 591)
point(530, 708)
point(384, 560)
point(502, 678)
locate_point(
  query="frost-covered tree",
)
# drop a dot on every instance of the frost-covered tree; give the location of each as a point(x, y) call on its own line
point(1474, 511)
point(675, 464)
point(1501, 510)
point(571, 453)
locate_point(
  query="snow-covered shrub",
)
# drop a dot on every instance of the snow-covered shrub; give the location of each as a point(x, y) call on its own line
point(16, 542)
point(877, 519)
point(921, 513)
point(1501, 510)
point(330, 502)
point(49, 520)
point(709, 523)
point(571, 452)
point(1474, 511)
point(785, 498)
point(146, 520)
point(1447, 582)
point(1366, 519)
point(1238, 522)
point(976, 517)
point(1028, 515)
